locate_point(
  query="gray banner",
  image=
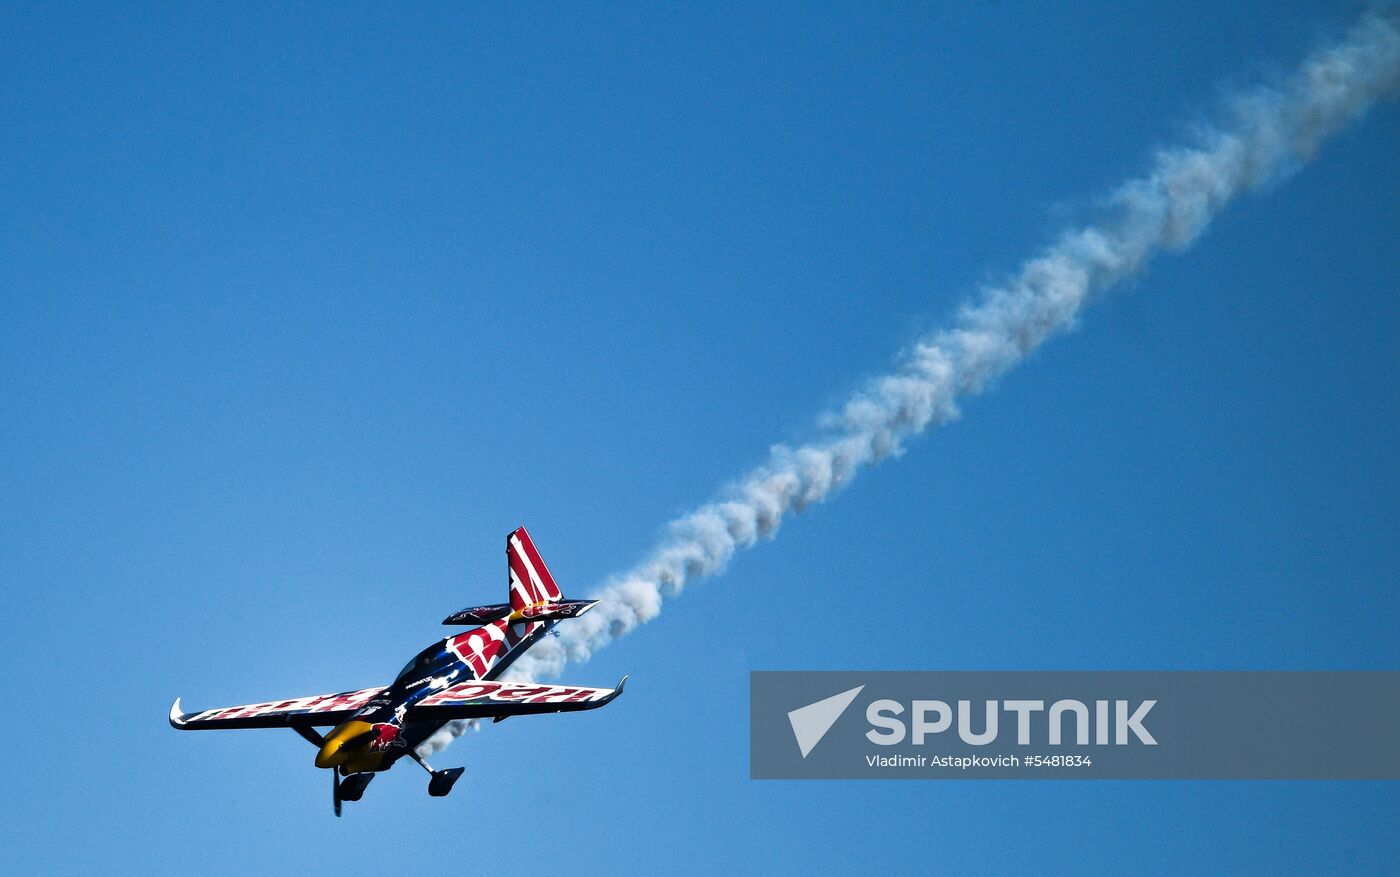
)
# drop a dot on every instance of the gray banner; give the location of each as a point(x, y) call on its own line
point(1074, 725)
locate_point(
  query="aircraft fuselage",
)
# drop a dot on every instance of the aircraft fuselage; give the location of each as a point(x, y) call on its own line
point(377, 735)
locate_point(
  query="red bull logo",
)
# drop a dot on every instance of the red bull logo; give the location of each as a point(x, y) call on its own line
point(385, 736)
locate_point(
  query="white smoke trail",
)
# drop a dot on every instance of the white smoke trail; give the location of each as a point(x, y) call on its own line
point(1265, 134)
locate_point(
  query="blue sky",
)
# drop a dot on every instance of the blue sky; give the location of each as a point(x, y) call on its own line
point(302, 310)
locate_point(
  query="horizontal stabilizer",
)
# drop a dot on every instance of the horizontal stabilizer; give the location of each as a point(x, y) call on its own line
point(536, 612)
point(478, 614)
point(553, 611)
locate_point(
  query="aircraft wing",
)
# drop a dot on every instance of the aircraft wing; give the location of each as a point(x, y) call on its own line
point(478, 700)
point(320, 709)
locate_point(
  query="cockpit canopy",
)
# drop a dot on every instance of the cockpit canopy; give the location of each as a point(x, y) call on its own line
point(422, 661)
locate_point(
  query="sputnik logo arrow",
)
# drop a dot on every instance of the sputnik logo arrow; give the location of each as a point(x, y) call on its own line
point(811, 722)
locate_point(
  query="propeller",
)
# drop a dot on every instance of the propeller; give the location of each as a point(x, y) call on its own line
point(335, 790)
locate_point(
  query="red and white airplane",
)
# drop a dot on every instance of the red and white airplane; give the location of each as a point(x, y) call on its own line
point(373, 728)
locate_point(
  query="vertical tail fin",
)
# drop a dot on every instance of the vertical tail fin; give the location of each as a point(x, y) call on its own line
point(530, 581)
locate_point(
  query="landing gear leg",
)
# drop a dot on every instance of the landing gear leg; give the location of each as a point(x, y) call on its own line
point(442, 780)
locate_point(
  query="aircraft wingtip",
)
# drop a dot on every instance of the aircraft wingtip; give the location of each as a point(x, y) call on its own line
point(176, 717)
point(621, 684)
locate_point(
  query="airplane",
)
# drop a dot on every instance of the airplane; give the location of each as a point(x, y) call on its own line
point(456, 678)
